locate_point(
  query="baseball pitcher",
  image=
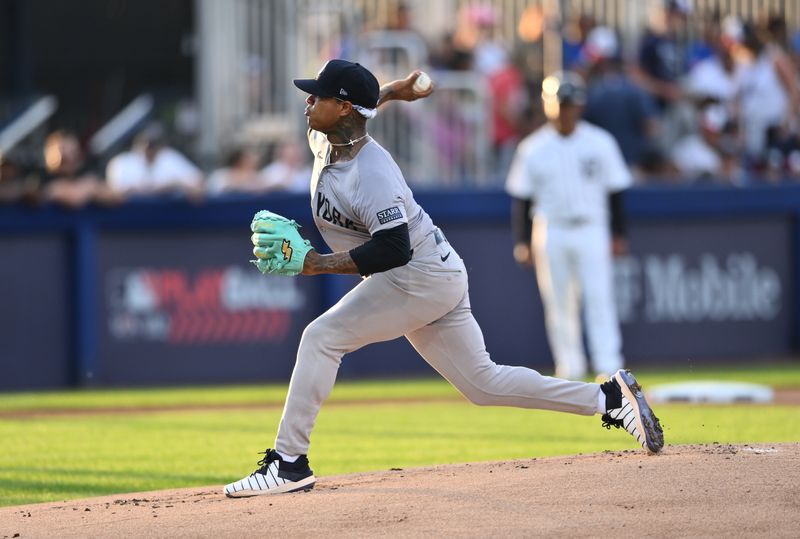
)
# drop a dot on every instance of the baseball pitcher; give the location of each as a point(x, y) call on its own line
point(414, 285)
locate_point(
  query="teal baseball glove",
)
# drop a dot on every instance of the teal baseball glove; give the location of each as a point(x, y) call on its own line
point(279, 248)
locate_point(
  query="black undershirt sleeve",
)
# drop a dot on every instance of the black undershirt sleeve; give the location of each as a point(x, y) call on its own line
point(617, 207)
point(386, 249)
point(521, 220)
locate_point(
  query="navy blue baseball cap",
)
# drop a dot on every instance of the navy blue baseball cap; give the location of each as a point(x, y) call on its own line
point(344, 80)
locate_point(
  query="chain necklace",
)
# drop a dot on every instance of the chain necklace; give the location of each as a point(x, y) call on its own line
point(352, 142)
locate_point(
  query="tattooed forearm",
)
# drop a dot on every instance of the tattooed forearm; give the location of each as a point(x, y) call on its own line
point(386, 93)
point(340, 263)
point(402, 90)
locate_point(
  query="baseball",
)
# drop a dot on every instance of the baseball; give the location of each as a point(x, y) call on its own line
point(423, 83)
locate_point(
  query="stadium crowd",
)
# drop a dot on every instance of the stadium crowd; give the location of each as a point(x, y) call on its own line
point(72, 178)
point(704, 99)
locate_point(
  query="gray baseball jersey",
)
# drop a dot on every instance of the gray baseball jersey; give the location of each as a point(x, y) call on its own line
point(426, 300)
point(351, 200)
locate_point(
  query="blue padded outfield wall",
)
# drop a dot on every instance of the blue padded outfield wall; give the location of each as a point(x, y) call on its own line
point(161, 292)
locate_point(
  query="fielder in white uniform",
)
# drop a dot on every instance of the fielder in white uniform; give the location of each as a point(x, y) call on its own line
point(415, 285)
point(567, 176)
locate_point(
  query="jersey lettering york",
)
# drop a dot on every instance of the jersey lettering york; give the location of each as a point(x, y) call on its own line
point(361, 196)
point(328, 212)
point(389, 214)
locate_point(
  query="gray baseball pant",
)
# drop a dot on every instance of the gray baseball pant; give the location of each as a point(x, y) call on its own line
point(427, 301)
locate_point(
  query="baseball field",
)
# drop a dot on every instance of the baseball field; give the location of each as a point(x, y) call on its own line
point(399, 458)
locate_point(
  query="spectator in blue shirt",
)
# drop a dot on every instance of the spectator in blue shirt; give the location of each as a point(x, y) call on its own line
point(574, 36)
point(662, 57)
point(614, 102)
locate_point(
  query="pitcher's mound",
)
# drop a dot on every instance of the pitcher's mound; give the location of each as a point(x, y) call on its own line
point(687, 491)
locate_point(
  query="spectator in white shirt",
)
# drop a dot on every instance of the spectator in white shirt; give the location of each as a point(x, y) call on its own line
point(290, 171)
point(710, 155)
point(717, 76)
point(152, 168)
point(239, 175)
point(769, 93)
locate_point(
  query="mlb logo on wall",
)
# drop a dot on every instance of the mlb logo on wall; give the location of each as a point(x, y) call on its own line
point(217, 305)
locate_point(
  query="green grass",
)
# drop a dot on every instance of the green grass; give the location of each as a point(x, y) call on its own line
point(776, 375)
point(211, 396)
point(59, 457)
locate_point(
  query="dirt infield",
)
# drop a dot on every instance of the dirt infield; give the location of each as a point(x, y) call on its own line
point(688, 491)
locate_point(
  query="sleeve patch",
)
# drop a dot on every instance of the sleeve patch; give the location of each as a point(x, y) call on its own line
point(389, 214)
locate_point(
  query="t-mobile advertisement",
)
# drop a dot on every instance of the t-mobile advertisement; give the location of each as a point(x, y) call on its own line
point(688, 290)
point(179, 308)
point(706, 289)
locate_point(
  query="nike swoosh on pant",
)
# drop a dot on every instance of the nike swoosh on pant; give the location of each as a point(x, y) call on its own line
point(445, 257)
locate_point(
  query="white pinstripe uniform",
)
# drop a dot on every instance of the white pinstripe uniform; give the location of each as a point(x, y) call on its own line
point(569, 179)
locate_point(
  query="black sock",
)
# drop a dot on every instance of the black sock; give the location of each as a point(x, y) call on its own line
point(613, 394)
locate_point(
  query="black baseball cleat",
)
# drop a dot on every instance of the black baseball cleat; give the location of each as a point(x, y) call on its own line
point(273, 477)
point(627, 408)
